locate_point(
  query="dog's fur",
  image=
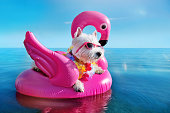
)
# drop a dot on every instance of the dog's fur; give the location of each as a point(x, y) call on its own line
point(85, 55)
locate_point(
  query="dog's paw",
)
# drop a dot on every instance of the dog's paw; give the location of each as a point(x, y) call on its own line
point(99, 71)
point(78, 86)
point(36, 69)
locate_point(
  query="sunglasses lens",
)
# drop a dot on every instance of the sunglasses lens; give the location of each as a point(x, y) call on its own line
point(90, 45)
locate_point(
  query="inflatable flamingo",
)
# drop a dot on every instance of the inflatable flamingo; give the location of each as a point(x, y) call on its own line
point(61, 72)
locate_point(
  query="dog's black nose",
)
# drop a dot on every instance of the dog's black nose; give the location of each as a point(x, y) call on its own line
point(98, 54)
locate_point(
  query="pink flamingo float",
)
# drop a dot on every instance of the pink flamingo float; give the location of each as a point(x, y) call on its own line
point(61, 72)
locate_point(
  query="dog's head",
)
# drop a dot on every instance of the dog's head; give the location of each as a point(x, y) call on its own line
point(86, 47)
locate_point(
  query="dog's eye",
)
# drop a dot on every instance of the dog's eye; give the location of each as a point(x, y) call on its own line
point(90, 45)
point(103, 26)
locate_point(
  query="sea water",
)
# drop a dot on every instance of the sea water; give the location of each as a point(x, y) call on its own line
point(141, 84)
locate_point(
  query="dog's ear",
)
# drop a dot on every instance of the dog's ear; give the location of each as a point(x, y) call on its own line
point(94, 33)
point(78, 32)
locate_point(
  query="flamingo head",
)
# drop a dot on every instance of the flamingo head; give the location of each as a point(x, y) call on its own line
point(96, 19)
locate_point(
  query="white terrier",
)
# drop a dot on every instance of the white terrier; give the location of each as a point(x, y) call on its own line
point(85, 50)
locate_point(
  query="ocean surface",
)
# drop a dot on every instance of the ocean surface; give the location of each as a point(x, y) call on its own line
point(141, 84)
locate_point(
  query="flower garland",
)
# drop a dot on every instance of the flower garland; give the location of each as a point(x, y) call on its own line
point(86, 70)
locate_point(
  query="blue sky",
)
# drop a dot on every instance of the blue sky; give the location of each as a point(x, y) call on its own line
point(134, 23)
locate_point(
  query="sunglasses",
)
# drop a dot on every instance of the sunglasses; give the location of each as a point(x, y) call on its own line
point(89, 45)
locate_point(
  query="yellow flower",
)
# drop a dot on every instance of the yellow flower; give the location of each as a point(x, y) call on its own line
point(69, 49)
point(83, 68)
point(64, 54)
point(94, 63)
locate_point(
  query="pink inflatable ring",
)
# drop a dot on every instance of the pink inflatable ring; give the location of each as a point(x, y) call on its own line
point(61, 72)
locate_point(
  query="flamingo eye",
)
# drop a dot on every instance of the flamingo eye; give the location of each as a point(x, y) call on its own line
point(103, 26)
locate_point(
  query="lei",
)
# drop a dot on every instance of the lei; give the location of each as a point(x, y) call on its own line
point(86, 70)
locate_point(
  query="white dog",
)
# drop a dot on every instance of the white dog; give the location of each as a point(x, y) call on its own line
point(85, 50)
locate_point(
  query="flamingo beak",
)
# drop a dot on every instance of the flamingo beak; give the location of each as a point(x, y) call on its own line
point(103, 42)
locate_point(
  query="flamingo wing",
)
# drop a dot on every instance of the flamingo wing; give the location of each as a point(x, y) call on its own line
point(60, 70)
